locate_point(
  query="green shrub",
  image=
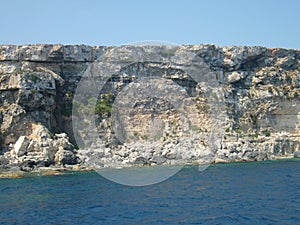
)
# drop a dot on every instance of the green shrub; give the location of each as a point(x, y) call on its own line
point(285, 91)
point(69, 94)
point(196, 128)
point(33, 77)
point(270, 90)
point(254, 118)
point(255, 135)
point(288, 79)
point(276, 89)
point(52, 136)
point(203, 107)
point(249, 95)
point(167, 52)
point(22, 71)
point(100, 106)
point(267, 133)
point(104, 105)
point(238, 131)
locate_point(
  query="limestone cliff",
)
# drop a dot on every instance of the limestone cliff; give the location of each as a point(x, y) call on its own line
point(260, 88)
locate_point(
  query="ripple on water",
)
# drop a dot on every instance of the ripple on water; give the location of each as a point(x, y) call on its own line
point(238, 193)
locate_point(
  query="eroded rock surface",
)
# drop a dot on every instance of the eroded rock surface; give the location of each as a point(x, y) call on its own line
point(260, 88)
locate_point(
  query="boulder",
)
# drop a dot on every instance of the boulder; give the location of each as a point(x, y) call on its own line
point(27, 166)
point(40, 133)
point(234, 77)
point(250, 156)
point(171, 155)
point(158, 160)
point(61, 135)
point(21, 146)
point(63, 157)
point(141, 161)
point(297, 154)
point(4, 162)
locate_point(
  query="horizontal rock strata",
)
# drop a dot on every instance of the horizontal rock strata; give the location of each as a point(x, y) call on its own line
point(258, 118)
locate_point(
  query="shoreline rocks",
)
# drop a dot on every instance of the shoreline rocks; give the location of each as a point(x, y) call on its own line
point(58, 171)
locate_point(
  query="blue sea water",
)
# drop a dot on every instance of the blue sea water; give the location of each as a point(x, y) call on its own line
point(235, 193)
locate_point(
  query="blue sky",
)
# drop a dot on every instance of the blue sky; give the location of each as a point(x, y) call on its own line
point(271, 23)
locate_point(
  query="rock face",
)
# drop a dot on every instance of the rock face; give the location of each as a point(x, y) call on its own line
point(260, 117)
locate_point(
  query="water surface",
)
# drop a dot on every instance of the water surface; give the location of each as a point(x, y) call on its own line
point(236, 193)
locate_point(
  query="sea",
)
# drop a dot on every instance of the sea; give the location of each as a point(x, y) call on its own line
point(232, 193)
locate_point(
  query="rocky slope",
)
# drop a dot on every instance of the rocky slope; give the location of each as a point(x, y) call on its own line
point(256, 116)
